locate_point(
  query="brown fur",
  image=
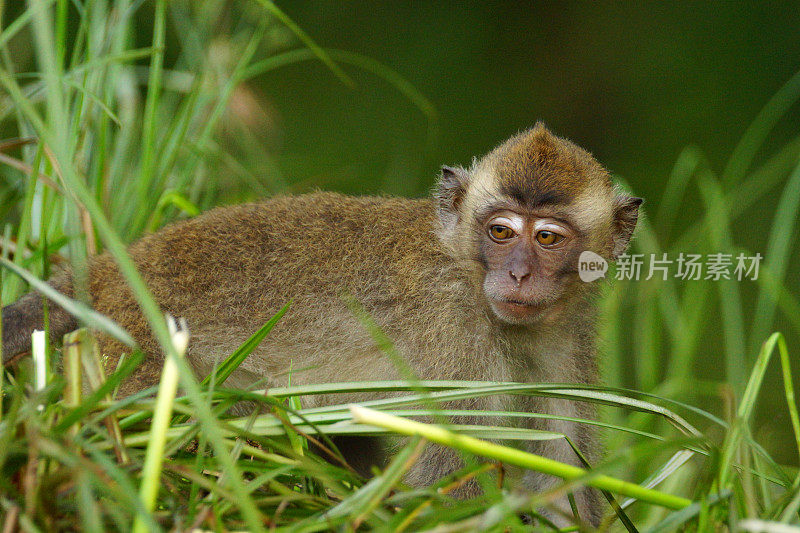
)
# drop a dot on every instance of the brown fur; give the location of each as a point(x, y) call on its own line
point(228, 271)
point(534, 163)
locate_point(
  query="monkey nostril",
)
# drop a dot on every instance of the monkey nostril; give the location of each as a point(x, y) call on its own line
point(518, 277)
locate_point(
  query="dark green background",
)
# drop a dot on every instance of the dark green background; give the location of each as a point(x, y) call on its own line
point(634, 82)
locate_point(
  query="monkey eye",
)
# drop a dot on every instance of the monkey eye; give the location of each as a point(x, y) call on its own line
point(548, 238)
point(498, 232)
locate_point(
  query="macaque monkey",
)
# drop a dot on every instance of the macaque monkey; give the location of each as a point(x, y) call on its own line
point(479, 282)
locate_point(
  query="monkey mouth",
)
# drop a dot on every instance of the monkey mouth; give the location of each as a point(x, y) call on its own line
point(516, 310)
point(512, 301)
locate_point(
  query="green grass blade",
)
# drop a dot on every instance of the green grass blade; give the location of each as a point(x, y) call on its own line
point(237, 357)
point(746, 407)
point(151, 105)
point(618, 509)
point(50, 135)
point(162, 414)
point(21, 21)
point(718, 231)
point(755, 135)
point(777, 254)
point(689, 160)
point(675, 520)
point(788, 388)
point(514, 456)
point(307, 41)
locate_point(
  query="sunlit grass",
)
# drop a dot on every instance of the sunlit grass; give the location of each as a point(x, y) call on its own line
point(104, 143)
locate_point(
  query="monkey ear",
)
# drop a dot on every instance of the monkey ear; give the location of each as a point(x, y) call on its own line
point(626, 213)
point(449, 193)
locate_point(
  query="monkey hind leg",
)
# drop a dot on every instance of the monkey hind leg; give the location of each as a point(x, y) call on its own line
point(363, 454)
point(437, 462)
point(366, 453)
point(588, 502)
point(22, 318)
point(16, 333)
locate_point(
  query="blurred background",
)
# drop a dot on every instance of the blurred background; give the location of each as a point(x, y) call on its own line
point(662, 93)
point(632, 82)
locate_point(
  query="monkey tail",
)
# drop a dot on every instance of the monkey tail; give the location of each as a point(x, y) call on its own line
point(20, 319)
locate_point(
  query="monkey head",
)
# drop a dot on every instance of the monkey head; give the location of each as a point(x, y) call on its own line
point(523, 214)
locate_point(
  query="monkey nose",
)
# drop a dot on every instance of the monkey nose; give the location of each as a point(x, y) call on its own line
point(519, 276)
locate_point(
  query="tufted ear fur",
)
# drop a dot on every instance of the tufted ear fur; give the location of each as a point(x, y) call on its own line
point(450, 193)
point(626, 213)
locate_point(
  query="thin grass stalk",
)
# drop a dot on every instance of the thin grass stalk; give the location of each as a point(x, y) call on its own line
point(735, 436)
point(307, 41)
point(162, 417)
point(756, 525)
point(755, 135)
point(92, 367)
point(514, 456)
point(151, 106)
point(788, 388)
point(73, 374)
point(777, 255)
point(718, 231)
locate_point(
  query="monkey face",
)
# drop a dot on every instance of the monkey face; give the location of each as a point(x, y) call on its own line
point(524, 213)
point(529, 259)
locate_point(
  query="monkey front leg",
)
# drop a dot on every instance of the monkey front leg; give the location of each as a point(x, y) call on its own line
point(587, 500)
point(437, 462)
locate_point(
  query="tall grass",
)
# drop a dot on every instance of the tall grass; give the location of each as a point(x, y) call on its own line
point(105, 141)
